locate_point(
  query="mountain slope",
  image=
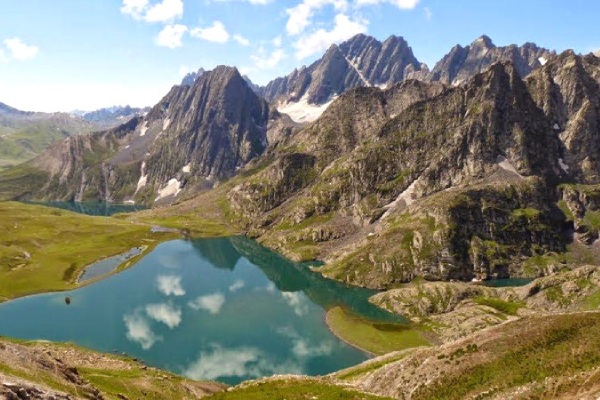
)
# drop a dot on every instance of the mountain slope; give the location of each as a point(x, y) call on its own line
point(361, 61)
point(455, 183)
point(23, 135)
point(461, 63)
point(196, 135)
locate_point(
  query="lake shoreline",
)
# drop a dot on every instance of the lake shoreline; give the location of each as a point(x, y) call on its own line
point(332, 329)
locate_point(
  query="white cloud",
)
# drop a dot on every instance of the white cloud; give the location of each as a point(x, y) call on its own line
point(255, 2)
point(319, 40)
point(19, 50)
point(165, 313)
point(171, 35)
point(428, 13)
point(164, 11)
point(300, 16)
point(3, 57)
point(170, 285)
point(210, 302)
point(241, 40)
point(134, 8)
point(138, 330)
point(263, 61)
point(401, 4)
point(237, 285)
point(297, 301)
point(214, 33)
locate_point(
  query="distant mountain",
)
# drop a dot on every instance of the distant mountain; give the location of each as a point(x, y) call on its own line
point(195, 136)
point(24, 134)
point(462, 63)
point(109, 117)
point(364, 61)
point(191, 77)
point(361, 61)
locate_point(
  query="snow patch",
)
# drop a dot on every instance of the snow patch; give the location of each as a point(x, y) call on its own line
point(563, 166)
point(360, 74)
point(143, 177)
point(556, 127)
point(144, 129)
point(406, 198)
point(166, 123)
point(302, 111)
point(506, 165)
point(542, 60)
point(187, 169)
point(172, 189)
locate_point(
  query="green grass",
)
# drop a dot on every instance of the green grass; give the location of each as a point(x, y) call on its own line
point(373, 337)
point(506, 307)
point(114, 376)
point(304, 389)
point(527, 353)
point(362, 369)
point(44, 249)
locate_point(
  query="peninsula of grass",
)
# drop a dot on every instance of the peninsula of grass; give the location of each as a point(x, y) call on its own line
point(375, 338)
point(44, 249)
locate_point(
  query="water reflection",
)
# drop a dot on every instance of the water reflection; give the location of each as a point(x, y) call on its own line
point(225, 309)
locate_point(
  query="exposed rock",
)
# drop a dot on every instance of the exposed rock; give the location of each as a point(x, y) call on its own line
point(210, 130)
point(462, 63)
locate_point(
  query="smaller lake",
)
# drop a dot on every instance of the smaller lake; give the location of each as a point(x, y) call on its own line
point(510, 282)
point(223, 309)
point(91, 208)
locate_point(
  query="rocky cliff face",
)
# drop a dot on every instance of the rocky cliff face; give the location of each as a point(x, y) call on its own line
point(197, 135)
point(361, 61)
point(428, 180)
point(462, 63)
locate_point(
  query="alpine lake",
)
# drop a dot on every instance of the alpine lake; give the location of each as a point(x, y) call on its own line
point(224, 309)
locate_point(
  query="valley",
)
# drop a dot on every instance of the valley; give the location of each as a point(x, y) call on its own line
point(361, 228)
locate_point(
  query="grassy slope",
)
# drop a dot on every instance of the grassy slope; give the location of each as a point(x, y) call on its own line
point(22, 138)
point(43, 363)
point(44, 249)
point(372, 337)
point(540, 357)
point(292, 389)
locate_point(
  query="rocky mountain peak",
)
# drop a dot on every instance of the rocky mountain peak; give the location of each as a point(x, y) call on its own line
point(360, 61)
point(461, 63)
point(191, 77)
point(483, 41)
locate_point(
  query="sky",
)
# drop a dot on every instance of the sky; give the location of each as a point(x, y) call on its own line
point(64, 55)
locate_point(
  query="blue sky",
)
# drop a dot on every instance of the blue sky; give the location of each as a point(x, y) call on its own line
point(60, 55)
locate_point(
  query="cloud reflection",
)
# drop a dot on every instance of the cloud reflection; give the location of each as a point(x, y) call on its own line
point(138, 330)
point(165, 313)
point(170, 285)
point(297, 301)
point(245, 362)
point(302, 348)
point(237, 285)
point(210, 302)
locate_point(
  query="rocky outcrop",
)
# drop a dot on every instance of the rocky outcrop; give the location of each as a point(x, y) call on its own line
point(426, 180)
point(360, 61)
point(195, 136)
point(462, 63)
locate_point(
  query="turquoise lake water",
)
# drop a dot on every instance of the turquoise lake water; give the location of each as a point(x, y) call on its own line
point(222, 309)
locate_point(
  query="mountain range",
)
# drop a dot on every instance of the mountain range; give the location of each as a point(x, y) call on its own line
point(488, 159)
